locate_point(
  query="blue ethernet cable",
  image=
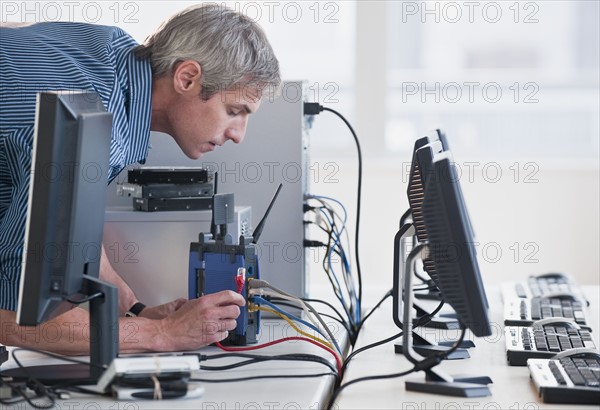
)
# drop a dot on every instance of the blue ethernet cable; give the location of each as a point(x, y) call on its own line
point(262, 301)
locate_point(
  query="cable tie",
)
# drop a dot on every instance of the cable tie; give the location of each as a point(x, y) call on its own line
point(157, 388)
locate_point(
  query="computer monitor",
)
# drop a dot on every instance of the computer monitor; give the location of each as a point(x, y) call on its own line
point(414, 177)
point(450, 248)
point(63, 234)
point(421, 171)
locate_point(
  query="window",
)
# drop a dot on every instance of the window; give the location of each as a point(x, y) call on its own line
point(504, 79)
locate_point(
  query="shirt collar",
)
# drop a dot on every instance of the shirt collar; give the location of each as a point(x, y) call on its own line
point(139, 105)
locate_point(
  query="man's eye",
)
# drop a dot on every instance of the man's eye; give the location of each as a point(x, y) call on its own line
point(233, 113)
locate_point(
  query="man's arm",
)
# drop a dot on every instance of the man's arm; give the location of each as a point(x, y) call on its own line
point(197, 323)
point(126, 296)
point(69, 333)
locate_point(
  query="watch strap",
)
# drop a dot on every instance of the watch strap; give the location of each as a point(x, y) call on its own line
point(135, 310)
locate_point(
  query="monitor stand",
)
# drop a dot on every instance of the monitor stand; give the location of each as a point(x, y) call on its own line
point(436, 381)
point(422, 346)
point(429, 294)
point(438, 321)
point(446, 321)
point(104, 343)
point(425, 348)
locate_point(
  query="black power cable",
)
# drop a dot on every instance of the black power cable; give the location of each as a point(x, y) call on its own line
point(266, 376)
point(383, 299)
point(316, 108)
point(421, 321)
point(337, 392)
point(300, 357)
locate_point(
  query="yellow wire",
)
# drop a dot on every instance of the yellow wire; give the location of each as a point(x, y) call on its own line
point(296, 328)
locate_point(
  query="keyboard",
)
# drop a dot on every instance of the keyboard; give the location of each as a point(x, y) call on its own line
point(523, 312)
point(544, 339)
point(542, 285)
point(567, 380)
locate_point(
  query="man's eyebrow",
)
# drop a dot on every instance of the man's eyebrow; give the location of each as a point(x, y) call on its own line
point(246, 108)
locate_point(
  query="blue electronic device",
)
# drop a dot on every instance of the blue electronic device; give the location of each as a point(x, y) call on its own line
point(216, 263)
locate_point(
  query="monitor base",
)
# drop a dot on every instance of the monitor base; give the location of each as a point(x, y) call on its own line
point(428, 350)
point(456, 389)
point(53, 375)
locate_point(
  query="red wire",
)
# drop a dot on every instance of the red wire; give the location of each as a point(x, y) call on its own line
point(285, 339)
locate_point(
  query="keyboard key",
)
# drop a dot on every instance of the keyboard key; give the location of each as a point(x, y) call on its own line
point(520, 290)
point(576, 378)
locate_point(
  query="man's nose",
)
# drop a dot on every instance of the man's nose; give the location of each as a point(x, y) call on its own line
point(238, 131)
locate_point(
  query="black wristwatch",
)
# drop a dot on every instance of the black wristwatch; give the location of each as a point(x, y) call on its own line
point(135, 310)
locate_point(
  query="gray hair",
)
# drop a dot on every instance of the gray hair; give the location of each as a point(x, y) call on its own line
point(232, 50)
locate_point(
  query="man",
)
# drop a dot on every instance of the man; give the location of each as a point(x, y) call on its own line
point(198, 78)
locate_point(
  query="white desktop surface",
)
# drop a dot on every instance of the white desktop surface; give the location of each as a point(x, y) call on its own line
point(273, 394)
point(511, 389)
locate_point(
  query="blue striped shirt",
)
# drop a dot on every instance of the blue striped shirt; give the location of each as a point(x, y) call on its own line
point(62, 56)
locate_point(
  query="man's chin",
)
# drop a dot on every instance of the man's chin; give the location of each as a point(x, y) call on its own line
point(194, 154)
point(204, 149)
point(199, 152)
point(197, 155)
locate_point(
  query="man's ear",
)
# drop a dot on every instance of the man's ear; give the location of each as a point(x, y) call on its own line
point(187, 77)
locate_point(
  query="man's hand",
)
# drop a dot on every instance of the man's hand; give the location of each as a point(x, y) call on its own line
point(200, 322)
point(164, 310)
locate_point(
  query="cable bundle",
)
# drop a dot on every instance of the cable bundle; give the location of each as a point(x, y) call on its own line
point(260, 290)
point(333, 224)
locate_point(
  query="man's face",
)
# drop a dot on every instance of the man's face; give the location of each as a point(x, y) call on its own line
point(200, 126)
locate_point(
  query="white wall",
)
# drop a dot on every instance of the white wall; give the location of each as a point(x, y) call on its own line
point(548, 225)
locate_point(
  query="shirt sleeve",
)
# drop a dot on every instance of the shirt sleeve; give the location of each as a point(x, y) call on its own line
point(15, 166)
point(61, 56)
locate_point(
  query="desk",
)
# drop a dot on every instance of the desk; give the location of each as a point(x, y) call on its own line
point(512, 388)
point(272, 394)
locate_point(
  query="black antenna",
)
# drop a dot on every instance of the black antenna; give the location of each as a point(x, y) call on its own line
point(259, 228)
point(213, 225)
